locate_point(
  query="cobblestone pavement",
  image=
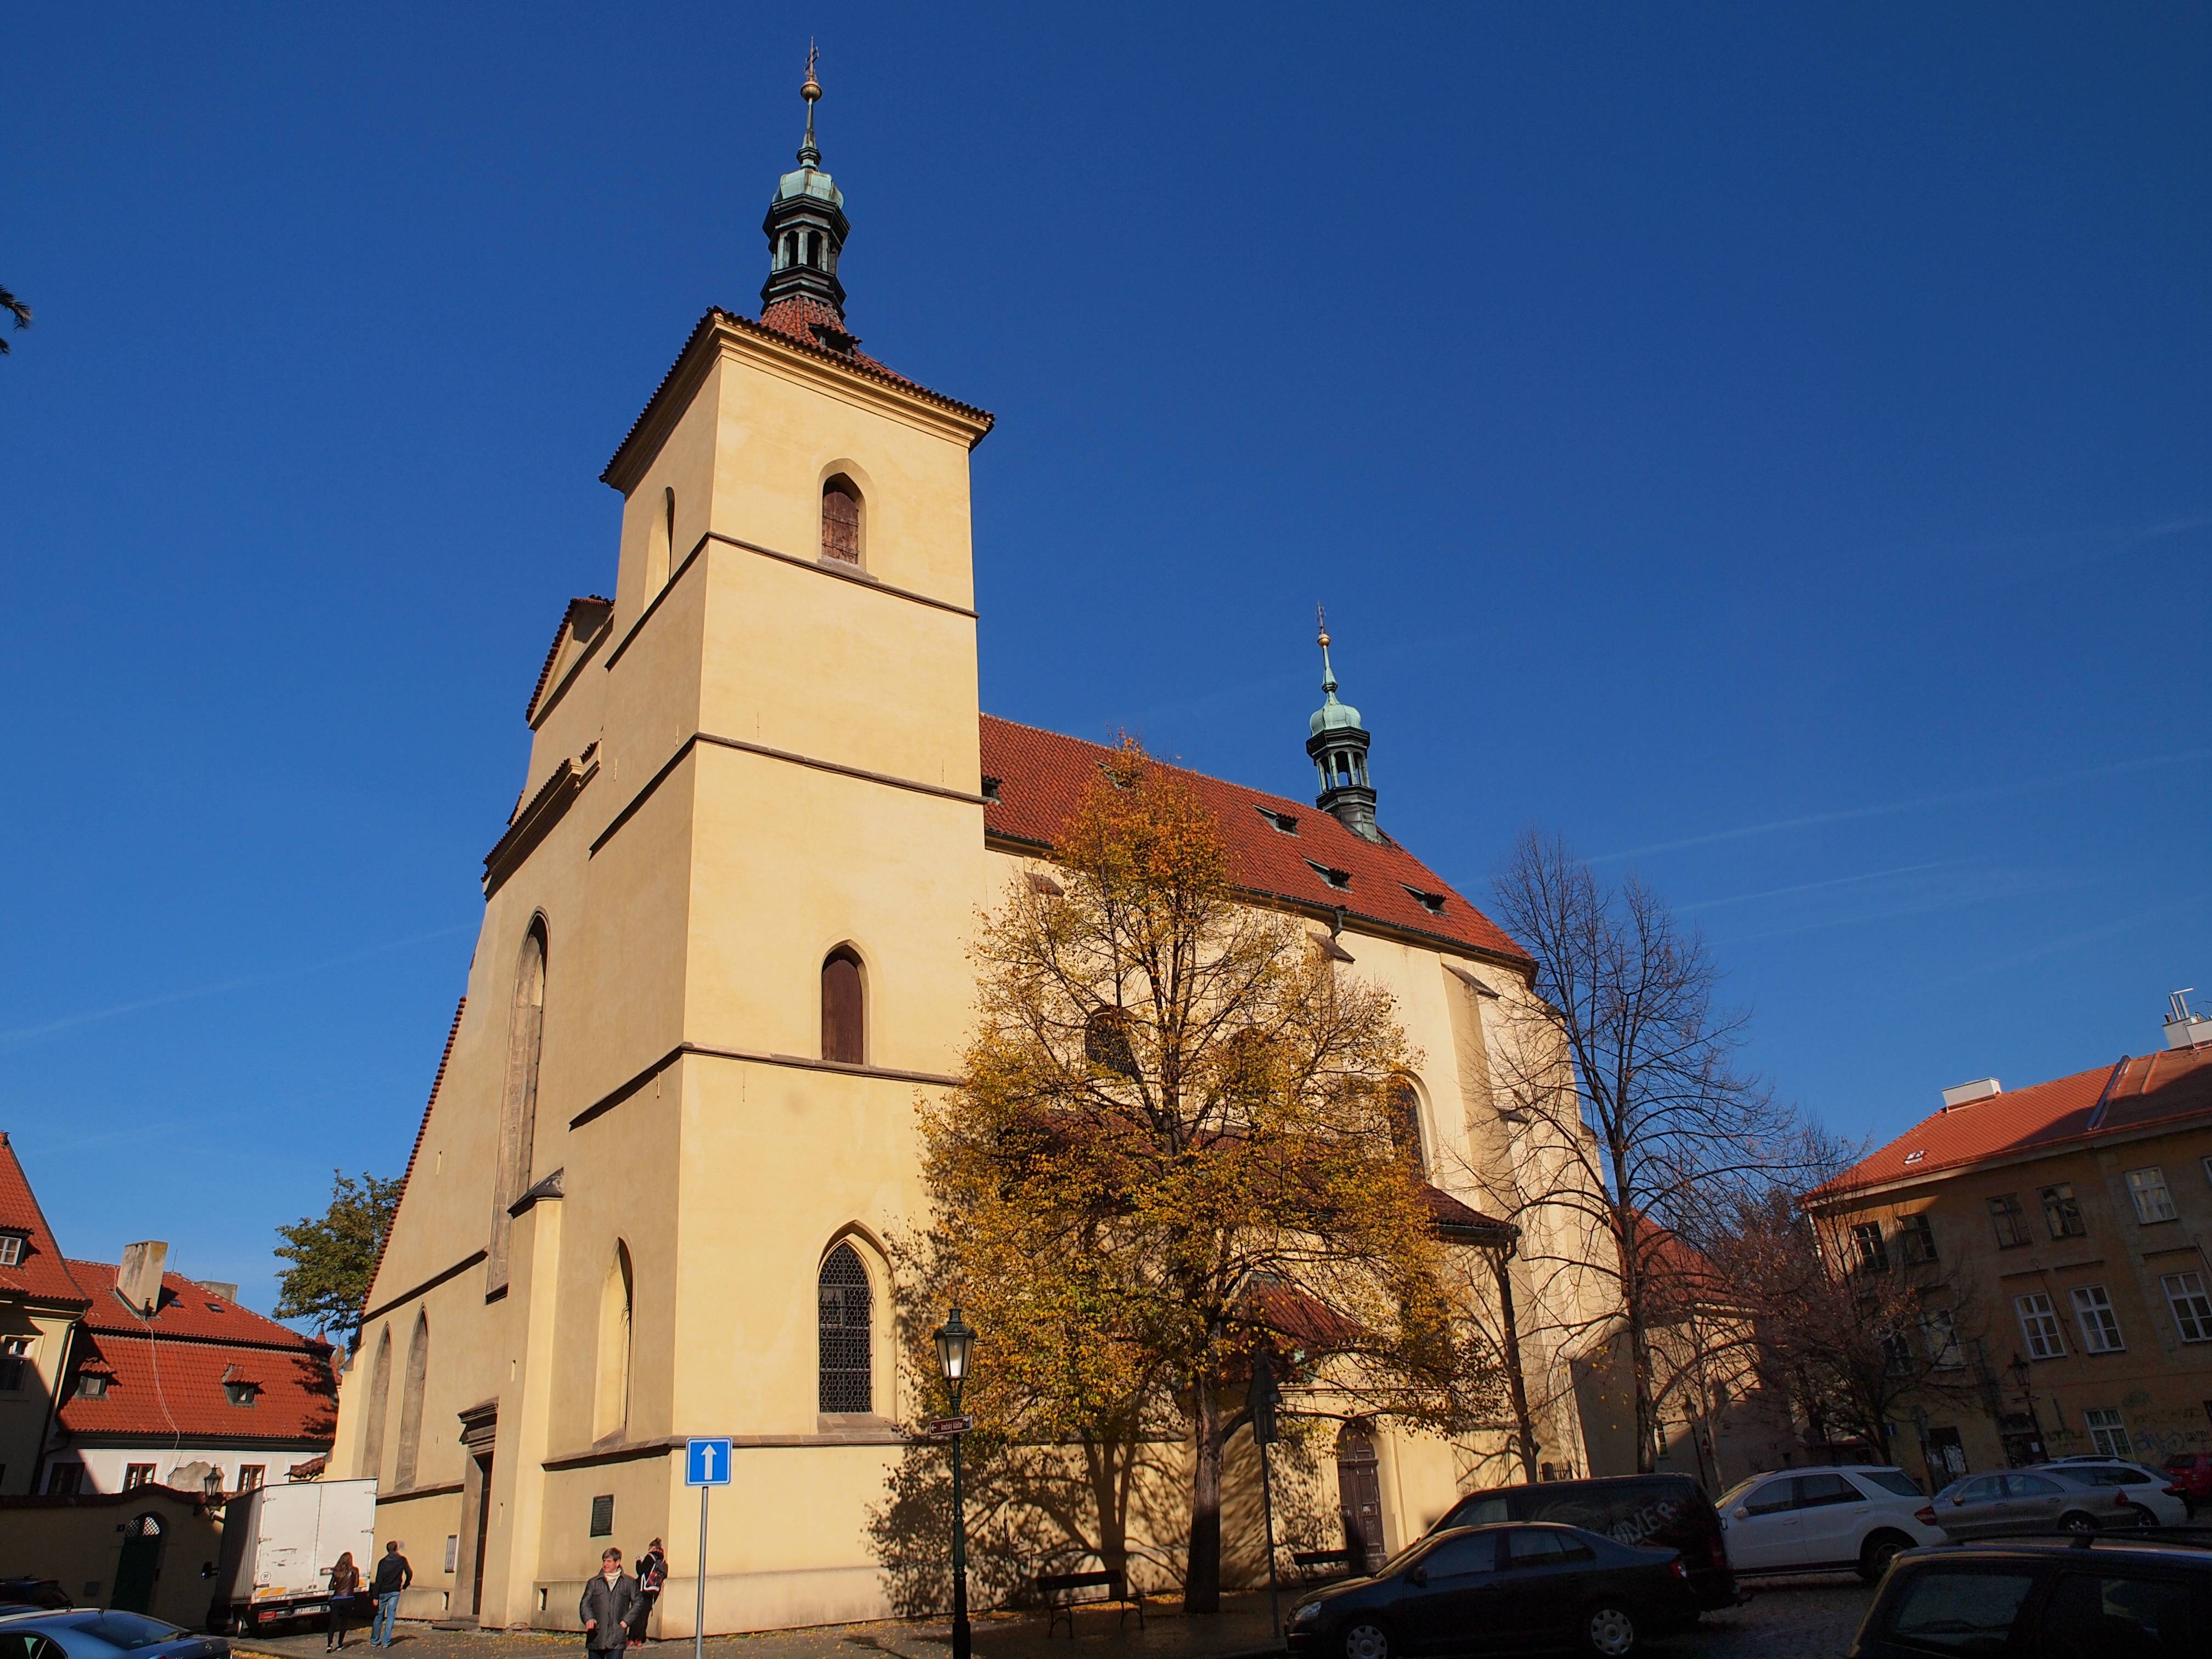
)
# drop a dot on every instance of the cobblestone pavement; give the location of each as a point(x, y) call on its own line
point(1813, 1617)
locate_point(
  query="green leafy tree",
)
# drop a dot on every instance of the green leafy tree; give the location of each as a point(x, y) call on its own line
point(333, 1254)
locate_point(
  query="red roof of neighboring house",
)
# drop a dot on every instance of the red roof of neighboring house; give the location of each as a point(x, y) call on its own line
point(1041, 776)
point(2105, 1100)
point(167, 1372)
point(40, 1271)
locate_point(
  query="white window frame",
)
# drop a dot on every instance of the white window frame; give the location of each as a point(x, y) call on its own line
point(11, 1249)
point(2193, 1307)
point(1941, 1332)
point(2153, 1201)
point(2038, 1324)
point(2110, 1437)
point(16, 1353)
point(2100, 1322)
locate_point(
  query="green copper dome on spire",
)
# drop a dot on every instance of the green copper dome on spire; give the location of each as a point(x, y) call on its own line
point(808, 178)
point(1332, 715)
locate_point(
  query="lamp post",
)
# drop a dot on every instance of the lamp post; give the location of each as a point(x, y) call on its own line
point(954, 1342)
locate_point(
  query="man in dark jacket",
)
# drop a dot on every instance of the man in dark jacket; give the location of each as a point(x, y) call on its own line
point(609, 1602)
point(393, 1575)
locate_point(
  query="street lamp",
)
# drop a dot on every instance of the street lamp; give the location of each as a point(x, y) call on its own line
point(954, 1343)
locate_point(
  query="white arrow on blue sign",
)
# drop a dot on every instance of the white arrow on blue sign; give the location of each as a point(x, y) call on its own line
point(707, 1462)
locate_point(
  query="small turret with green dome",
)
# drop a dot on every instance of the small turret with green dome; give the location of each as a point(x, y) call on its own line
point(1339, 748)
point(806, 226)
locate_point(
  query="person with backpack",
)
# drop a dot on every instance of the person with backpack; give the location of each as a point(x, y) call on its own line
point(652, 1574)
point(393, 1575)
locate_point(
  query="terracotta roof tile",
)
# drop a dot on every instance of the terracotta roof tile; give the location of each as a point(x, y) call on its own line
point(1041, 775)
point(187, 1310)
point(41, 1272)
point(2136, 1091)
point(166, 1387)
point(582, 602)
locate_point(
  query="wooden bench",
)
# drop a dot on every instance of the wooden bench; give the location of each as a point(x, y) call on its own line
point(1321, 1563)
point(1062, 1592)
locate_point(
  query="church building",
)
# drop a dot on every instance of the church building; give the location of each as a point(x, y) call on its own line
point(724, 948)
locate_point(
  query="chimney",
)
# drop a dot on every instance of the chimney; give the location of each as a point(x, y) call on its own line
point(2183, 1028)
point(227, 1292)
point(138, 1280)
point(1966, 1094)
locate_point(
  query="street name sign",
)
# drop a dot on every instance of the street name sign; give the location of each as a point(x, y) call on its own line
point(944, 1428)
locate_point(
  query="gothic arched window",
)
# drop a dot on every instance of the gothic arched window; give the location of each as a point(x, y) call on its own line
point(379, 1407)
point(847, 1358)
point(843, 1030)
point(411, 1402)
point(611, 1406)
point(841, 520)
point(1401, 1108)
point(518, 1117)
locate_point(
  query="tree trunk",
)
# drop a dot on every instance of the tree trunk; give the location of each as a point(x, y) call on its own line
point(1524, 1431)
point(1201, 1587)
point(1639, 1373)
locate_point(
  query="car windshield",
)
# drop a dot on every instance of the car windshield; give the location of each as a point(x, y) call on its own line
point(1406, 1557)
point(127, 1629)
point(1892, 1480)
point(1735, 1491)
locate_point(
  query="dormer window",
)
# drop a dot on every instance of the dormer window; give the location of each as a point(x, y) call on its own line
point(1287, 822)
point(1339, 879)
point(1432, 903)
point(241, 1394)
point(991, 791)
point(92, 1388)
point(11, 1249)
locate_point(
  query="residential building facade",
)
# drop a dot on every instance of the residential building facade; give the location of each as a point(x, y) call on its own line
point(2064, 1234)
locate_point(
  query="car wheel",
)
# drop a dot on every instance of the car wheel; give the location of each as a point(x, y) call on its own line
point(2077, 1523)
point(1611, 1629)
point(1878, 1552)
point(1366, 1640)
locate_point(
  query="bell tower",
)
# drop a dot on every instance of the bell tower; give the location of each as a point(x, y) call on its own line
point(806, 229)
point(1338, 744)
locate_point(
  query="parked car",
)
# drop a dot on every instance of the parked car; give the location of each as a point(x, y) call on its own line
point(2052, 1497)
point(1499, 1589)
point(92, 1633)
point(2053, 1598)
point(1855, 1518)
point(2160, 1501)
point(2192, 1473)
point(1668, 1511)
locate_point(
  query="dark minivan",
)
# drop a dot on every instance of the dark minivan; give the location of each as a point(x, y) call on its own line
point(1669, 1511)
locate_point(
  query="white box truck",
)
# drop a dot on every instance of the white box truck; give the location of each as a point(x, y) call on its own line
point(279, 1544)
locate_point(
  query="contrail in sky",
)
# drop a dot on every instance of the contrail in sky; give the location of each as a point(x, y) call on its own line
point(1814, 820)
point(22, 1036)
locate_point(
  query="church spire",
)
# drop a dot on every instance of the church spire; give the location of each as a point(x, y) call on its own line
point(1338, 745)
point(806, 229)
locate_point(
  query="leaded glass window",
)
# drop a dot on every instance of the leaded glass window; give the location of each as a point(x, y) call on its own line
point(847, 1384)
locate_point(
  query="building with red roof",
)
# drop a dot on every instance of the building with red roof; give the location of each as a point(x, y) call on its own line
point(2060, 1234)
point(117, 1376)
point(725, 946)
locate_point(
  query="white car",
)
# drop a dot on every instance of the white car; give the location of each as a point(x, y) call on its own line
point(1825, 1520)
point(2155, 1495)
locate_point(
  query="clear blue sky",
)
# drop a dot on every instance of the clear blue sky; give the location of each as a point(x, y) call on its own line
point(1773, 444)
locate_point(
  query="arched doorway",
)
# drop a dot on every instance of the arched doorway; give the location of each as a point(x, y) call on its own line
point(1359, 1499)
point(139, 1564)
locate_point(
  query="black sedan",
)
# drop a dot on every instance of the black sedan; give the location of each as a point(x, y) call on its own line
point(1499, 1589)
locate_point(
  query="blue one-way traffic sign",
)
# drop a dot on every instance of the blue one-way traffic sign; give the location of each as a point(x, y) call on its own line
point(707, 1462)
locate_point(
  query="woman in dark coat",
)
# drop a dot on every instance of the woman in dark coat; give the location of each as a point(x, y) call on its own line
point(652, 1574)
point(345, 1585)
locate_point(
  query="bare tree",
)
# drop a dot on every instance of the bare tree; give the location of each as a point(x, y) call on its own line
point(1625, 1072)
point(18, 309)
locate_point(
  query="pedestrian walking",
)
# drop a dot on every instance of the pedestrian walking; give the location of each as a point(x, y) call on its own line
point(608, 1603)
point(345, 1584)
point(393, 1575)
point(652, 1574)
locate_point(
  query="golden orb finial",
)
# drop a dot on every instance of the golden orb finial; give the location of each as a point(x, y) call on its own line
point(1320, 621)
point(812, 88)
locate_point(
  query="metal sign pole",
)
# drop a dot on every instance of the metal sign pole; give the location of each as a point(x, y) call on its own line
point(699, 1614)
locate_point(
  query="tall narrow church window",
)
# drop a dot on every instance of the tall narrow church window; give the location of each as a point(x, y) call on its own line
point(659, 544)
point(1402, 1106)
point(841, 520)
point(518, 1120)
point(846, 1355)
point(410, 1403)
point(379, 1407)
point(611, 1403)
point(841, 1010)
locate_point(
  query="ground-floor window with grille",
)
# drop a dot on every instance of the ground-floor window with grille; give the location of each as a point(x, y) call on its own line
point(847, 1384)
point(2108, 1432)
point(2192, 1307)
point(2038, 1323)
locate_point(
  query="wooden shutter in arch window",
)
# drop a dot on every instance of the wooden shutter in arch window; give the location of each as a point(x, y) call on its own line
point(841, 1007)
point(840, 523)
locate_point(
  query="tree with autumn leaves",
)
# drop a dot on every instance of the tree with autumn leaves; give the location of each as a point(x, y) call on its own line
point(1171, 1148)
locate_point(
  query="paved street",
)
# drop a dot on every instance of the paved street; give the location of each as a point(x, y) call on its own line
point(1811, 1618)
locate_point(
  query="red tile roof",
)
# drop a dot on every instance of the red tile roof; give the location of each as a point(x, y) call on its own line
point(799, 315)
point(40, 1273)
point(582, 602)
point(166, 1373)
point(2172, 1085)
point(1041, 775)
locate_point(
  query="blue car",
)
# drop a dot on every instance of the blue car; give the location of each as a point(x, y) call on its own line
point(92, 1633)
